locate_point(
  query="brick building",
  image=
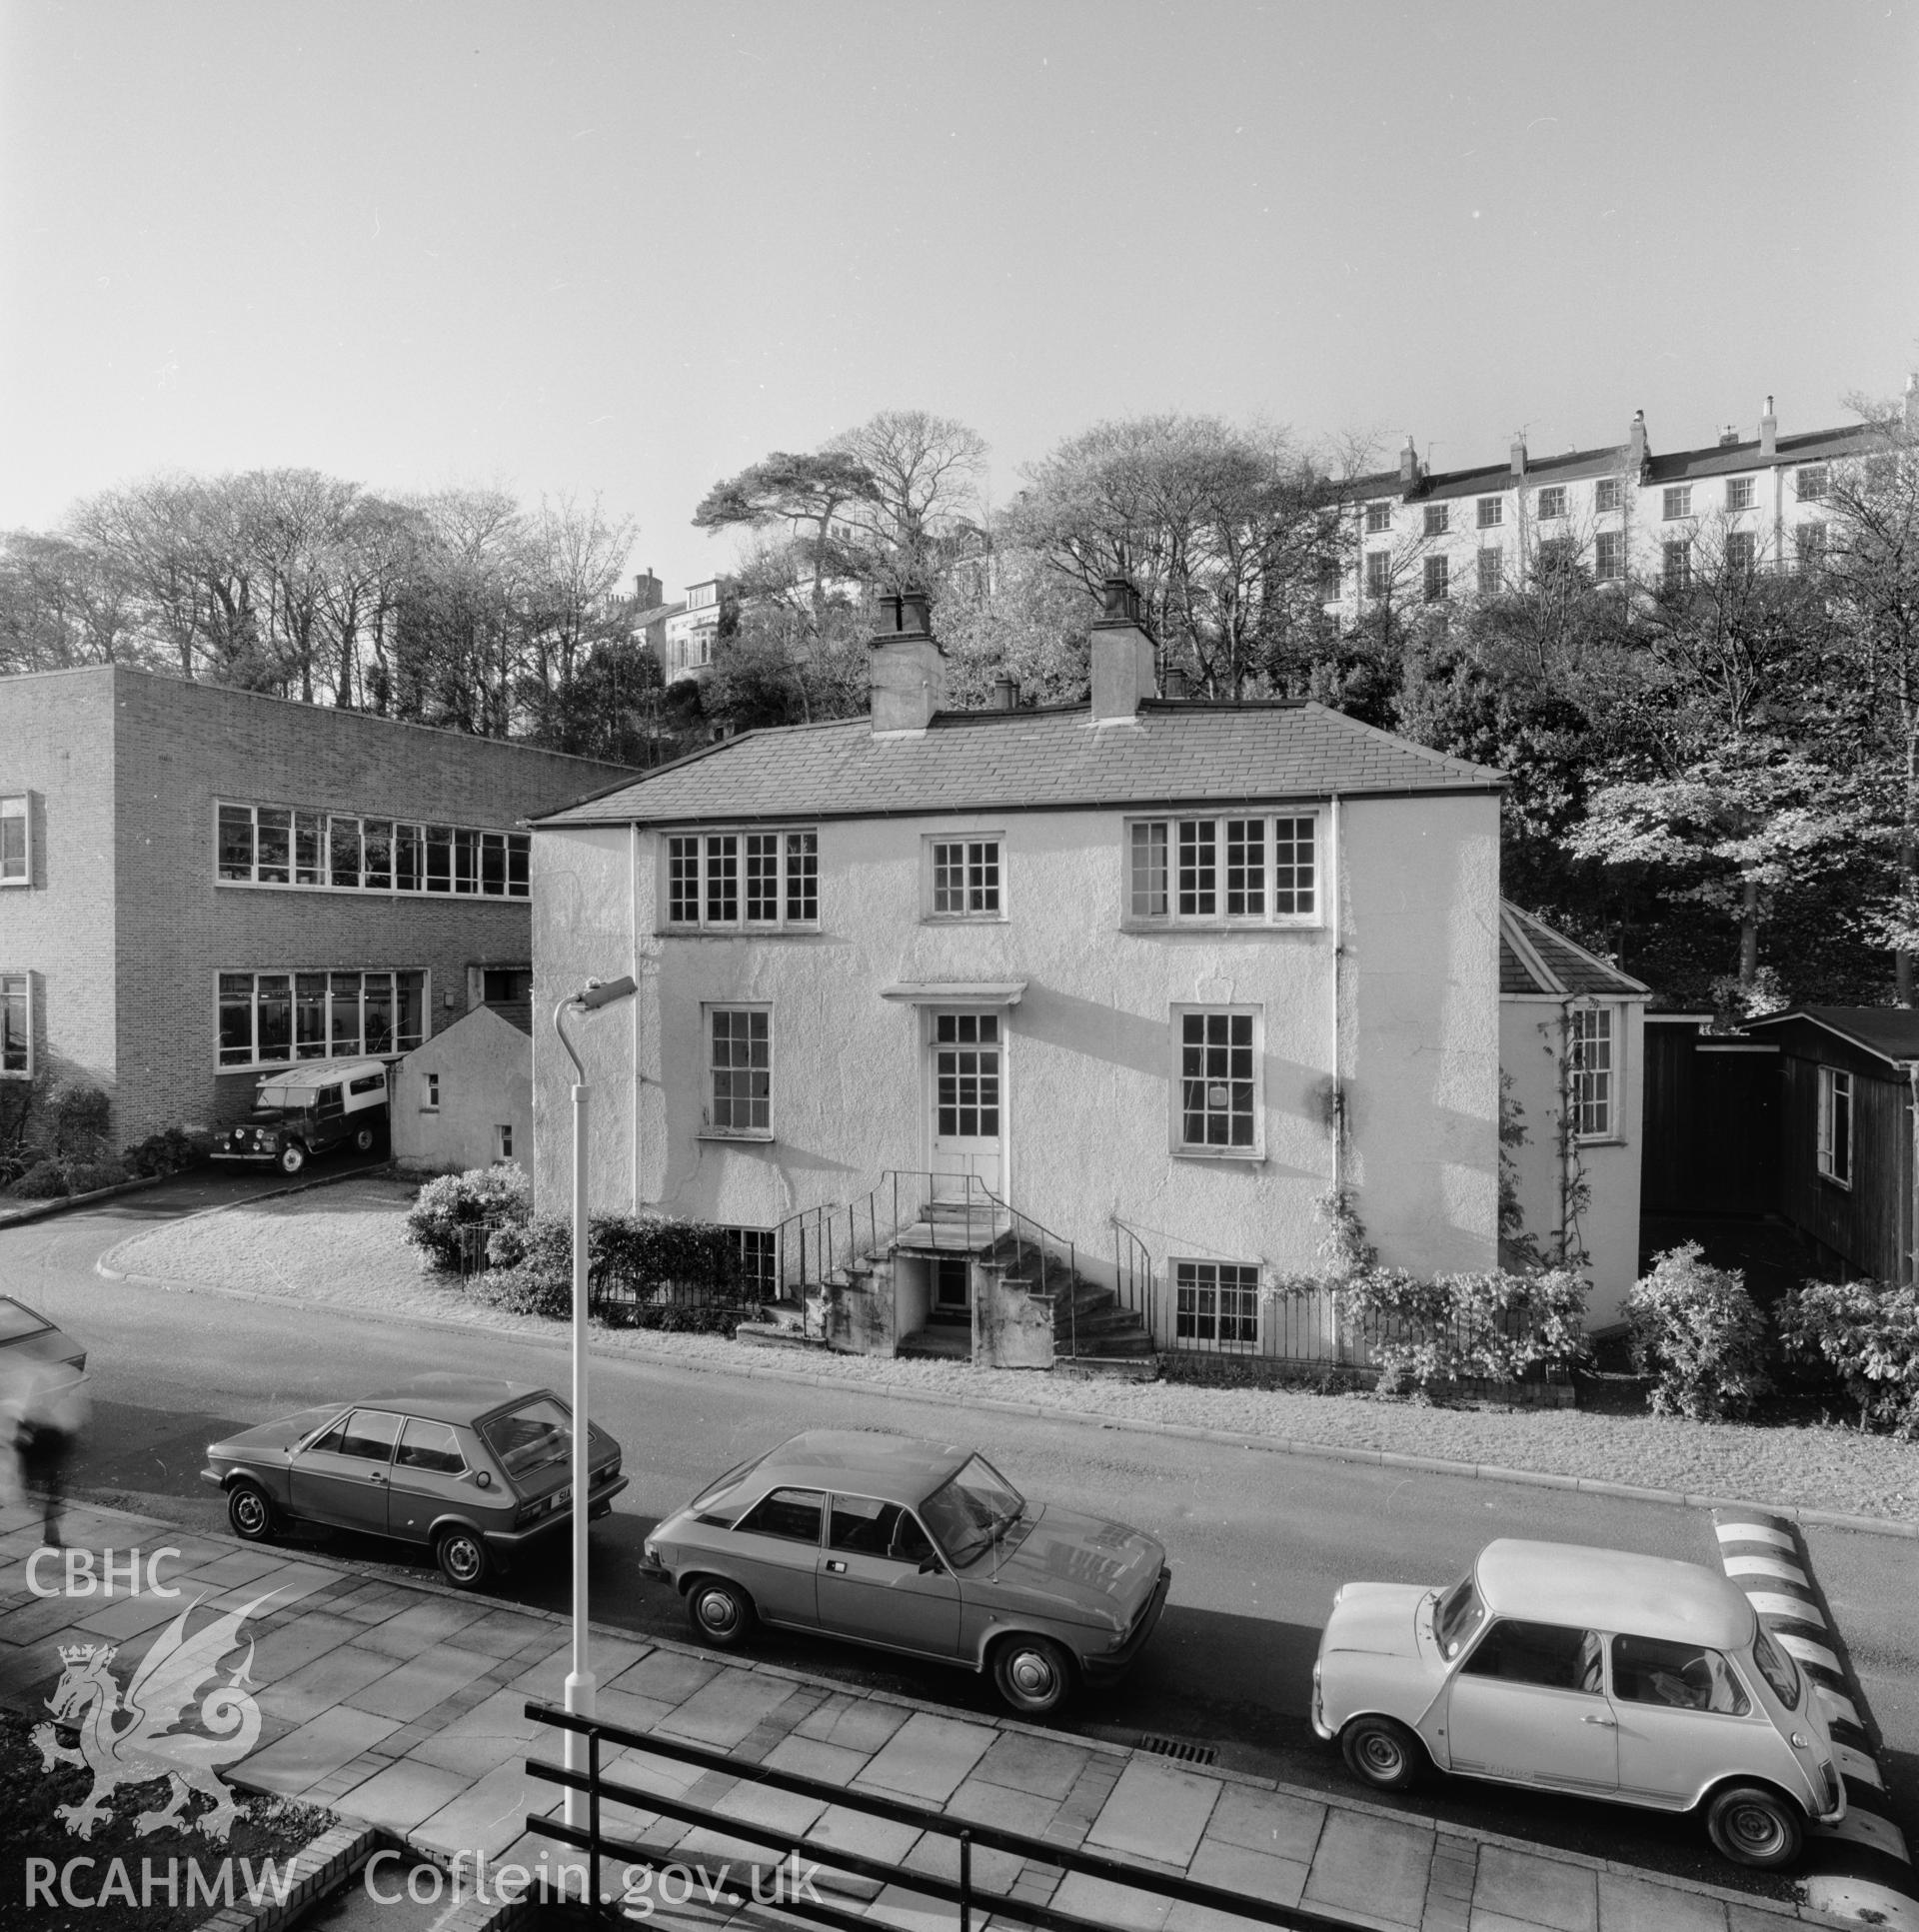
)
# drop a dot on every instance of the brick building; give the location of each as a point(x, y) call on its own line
point(198, 883)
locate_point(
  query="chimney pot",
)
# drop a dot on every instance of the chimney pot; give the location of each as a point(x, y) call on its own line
point(1410, 463)
point(1006, 693)
point(1178, 683)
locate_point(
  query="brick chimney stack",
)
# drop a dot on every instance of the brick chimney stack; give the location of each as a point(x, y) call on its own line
point(1518, 454)
point(909, 666)
point(1121, 656)
point(1636, 445)
point(1768, 431)
point(1408, 464)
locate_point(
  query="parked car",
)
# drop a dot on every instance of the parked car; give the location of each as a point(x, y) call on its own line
point(30, 1339)
point(1595, 1671)
point(306, 1110)
point(920, 1547)
point(472, 1469)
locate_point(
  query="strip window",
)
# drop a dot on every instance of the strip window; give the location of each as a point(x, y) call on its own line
point(16, 859)
point(16, 1027)
point(732, 881)
point(276, 1019)
point(1208, 870)
point(270, 844)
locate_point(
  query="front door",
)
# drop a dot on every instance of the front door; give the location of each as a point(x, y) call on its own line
point(967, 1073)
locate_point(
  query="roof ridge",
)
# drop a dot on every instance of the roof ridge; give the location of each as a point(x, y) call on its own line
point(1428, 752)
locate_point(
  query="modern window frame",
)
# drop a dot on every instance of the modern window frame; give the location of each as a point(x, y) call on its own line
point(714, 879)
point(711, 1070)
point(301, 1004)
point(1594, 1041)
point(1187, 860)
point(970, 890)
point(1552, 503)
point(1189, 1278)
point(334, 851)
point(1254, 1148)
point(16, 848)
point(1837, 1123)
point(16, 995)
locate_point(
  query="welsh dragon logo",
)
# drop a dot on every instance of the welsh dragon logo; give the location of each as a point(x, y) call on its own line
point(127, 1737)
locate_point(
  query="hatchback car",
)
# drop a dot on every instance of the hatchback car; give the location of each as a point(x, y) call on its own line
point(472, 1469)
point(1592, 1671)
point(918, 1547)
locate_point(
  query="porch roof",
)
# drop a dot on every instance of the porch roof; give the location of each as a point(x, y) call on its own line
point(1538, 960)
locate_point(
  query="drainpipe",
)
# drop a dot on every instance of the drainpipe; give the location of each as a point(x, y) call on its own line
point(1333, 871)
point(1912, 1157)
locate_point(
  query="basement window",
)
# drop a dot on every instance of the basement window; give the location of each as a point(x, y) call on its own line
point(1216, 1305)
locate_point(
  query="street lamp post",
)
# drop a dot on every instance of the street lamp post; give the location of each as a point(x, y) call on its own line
point(579, 1683)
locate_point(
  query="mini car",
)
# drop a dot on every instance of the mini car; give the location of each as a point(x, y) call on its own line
point(306, 1110)
point(1588, 1671)
point(918, 1547)
point(31, 1340)
point(472, 1469)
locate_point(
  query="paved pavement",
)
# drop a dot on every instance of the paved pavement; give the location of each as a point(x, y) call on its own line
point(402, 1705)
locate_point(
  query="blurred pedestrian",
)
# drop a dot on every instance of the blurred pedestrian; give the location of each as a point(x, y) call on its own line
point(54, 1409)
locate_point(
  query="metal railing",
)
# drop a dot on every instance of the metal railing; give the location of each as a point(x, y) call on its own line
point(1135, 1287)
point(971, 1900)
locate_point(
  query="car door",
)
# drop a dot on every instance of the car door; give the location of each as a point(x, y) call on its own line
point(428, 1476)
point(342, 1479)
point(774, 1550)
point(872, 1584)
point(1528, 1703)
point(1685, 1718)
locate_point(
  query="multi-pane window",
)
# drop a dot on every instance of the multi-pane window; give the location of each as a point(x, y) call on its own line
point(1743, 551)
point(1677, 501)
point(270, 1019)
point(1676, 572)
point(1492, 564)
point(1378, 573)
point(1552, 503)
point(730, 880)
point(1437, 519)
point(756, 1252)
point(965, 1066)
point(965, 878)
point(1492, 511)
point(1809, 544)
point(1609, 555)
point(1379, 517)
point(1222, 869)
point(271, 845)
point(1606, 493)
point(1435, 580)
point(740, 1070)
point(1739, 492)
point(1216, 1302)
point(1810, 483)
point(1590, 1052)
point(1217, 1088)
point(16, 1028)
point(1835, 1124)
point(15, 867)
point(1558, 553)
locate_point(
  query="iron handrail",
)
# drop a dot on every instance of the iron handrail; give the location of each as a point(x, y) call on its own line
point(1132, 1265)
point(964, 1893)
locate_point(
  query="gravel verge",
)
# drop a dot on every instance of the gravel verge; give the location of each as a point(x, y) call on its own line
point(345, 1247)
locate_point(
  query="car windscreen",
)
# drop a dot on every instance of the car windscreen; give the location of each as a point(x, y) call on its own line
point(968, 1513)
point(284, 1100)
point(720, 1502)
point(1776, 1667)
point(530, 1437)
point(1456, 1616)
point(16, 1321)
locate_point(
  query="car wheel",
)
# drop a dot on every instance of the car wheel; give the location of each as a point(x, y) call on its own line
point(292, 1158)
point(1032, 1675)
point(363, 1140)
point(1381, 1753)
point(462, 1560)
point(250, 1512)
point(1754, 1827)
point(720, 1612)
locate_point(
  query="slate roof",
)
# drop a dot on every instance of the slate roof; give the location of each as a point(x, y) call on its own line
point(1890, 1031)
point(1729, 459)
point(1536, 957)
point(657, 614)
point(1173, 754)
point(516, 1012)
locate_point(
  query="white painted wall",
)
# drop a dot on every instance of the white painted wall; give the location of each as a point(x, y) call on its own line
point(1530, 1031)
point(1091, 1048)
point(485, 1064)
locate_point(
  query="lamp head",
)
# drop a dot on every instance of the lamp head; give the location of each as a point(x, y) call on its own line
point(600, 994)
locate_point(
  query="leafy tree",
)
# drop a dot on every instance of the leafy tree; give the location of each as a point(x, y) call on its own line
point(804, 496)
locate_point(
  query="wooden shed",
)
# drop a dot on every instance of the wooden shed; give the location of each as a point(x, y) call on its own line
point(1848, 1082)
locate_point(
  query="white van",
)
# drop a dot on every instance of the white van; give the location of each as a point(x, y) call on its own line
point(310, 1108)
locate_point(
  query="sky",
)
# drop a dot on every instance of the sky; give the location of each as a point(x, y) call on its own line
point(624, 249)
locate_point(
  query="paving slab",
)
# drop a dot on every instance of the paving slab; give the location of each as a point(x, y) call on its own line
point(125, 1616)
point(502, 1634)
point(326, 1680)
point(727, 1710)
point(929, 1757)
point(1106, 1903)
point(403, 1795)
point(1274, 1822)
point(1281, 1881)
point(1155, 1811)
point(1517, 1888)
point(911, 1911)
point(1635, 1905)
point(852, 1723)
point(806, 1757)
point(665, 1676)
point(547, 1678)
point(226, 1571)
point(290, 1646)
point(488, 1815)
point(309, 1755)
point(419, 1625)
point(1372, 1869)
point(1035, 1764)
point(410, 1690)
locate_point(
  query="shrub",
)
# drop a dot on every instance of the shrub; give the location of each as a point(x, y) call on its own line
point(171, 1152)
point(1696, 1330)
point(89, 1177)
point(642, 1266)
point(1492, 1327)
point(76, 1125)
point(45, 1180)
point(1867, 1332)
point(480, 1197)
